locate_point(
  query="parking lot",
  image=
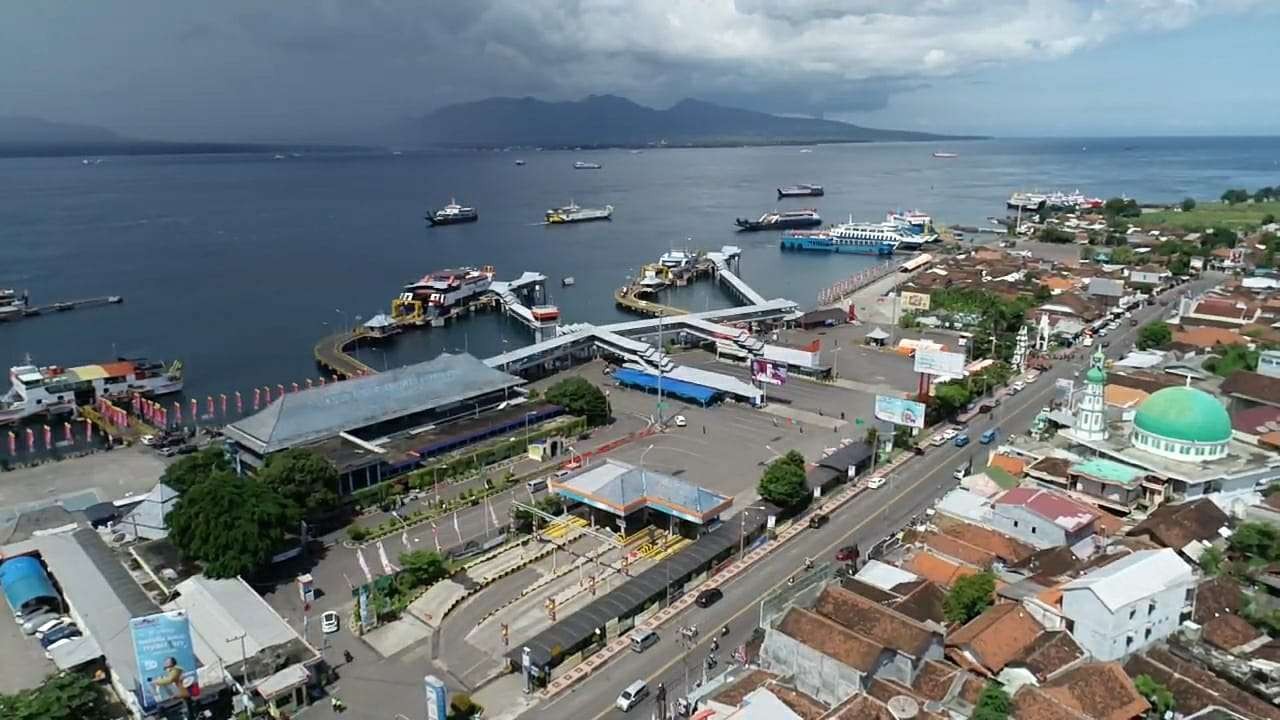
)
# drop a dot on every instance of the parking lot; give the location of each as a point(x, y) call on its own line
point(25, 665)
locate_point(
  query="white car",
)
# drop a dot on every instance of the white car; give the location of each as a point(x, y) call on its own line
point(937, 440)
point(876, 482)
point(950, 434)
point(1031, 377)
point(148, 440)
point(1019, 386)
point(632, 696)
point(329, 622)
point(680, 421)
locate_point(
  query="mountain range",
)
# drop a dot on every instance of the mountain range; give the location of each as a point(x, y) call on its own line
point(612, 121)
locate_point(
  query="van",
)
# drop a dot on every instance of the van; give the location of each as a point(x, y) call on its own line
point(536, 485)
point(632, 695)
point(818, 520)
point(643, 640)
point(988, 437)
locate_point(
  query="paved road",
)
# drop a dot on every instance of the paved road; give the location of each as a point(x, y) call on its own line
point(865, 520)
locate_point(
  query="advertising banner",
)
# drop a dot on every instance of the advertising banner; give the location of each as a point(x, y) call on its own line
point(899, 411)
point(437, 698)
point(767, 371)
point(166, 661)
point(914, 301)
point(1062, 389)
point(939, 362)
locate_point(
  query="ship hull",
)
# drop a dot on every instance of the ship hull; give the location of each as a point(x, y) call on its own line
point(452, 220)
point(832, 245)
point(800, 192)
point(789, 224)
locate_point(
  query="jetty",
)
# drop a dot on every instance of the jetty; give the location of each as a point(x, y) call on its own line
point(62, 306)
point(332, 354)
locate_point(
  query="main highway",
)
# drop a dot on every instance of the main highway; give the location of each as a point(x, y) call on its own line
point(863, 521)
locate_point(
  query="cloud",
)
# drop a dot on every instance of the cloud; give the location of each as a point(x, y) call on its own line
point(199, 66)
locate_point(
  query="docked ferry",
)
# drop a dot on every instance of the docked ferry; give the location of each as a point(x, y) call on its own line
point(11, 304)
point(443, 289)
point(1026, 201)
point(56, 390)
point(572, 213)
point(894, 233)
point(782, 220)
point(452, 214)
point(826, 241)
point(801, 191)
point(911, 220)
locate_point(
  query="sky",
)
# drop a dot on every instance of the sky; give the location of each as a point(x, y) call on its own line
point(332, 70)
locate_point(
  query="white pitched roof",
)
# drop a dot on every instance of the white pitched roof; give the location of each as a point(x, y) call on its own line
point(885, 577)
point(1132, 578)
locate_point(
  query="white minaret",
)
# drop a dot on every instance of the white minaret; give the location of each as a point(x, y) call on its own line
point(1091, 416)
point(1042, 333)
point(1020, 350)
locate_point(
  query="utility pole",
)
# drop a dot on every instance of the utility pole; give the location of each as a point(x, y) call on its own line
point(244, 663)
point(660, 356)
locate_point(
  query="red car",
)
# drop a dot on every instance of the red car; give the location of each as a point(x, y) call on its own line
point(848, 553)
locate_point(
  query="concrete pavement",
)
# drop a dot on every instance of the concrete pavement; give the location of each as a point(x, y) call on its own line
point(864, 521)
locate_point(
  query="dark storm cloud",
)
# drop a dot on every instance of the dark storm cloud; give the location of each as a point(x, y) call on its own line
point(327, 69)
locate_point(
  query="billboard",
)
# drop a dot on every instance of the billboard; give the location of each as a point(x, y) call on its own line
point(166, 661)
point(914, 301)
point(437, 698)
point(899, 411)
point(939, 362)
point(767, 371)
point(1062, 389)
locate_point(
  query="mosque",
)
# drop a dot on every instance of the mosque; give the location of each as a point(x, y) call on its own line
point(1176, 445)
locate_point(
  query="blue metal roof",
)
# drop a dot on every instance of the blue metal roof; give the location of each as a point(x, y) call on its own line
point(676, 388)
point(23, 580)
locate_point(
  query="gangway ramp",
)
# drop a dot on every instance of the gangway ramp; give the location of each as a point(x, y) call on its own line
point(737, 285)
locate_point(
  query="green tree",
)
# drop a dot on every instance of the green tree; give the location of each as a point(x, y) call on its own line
point(462, 707)
point(1227, 360)
point(306, 480)
point(1043, 293)
point(1054, 235)
point(65, 696)
point(194, 469)
point(783, 482)
point(1122, 255)
point(1234, 196)
point(1256, 541)
point(969, 597)
point(1115, 208)
point(993, 703)
point(1211, 560)
point(231, 524)
point(420, 568)
point(1264, 194)
point(1157, 695)
point(1086, 253)
point(1179, 265)
point(1220, 236)
point(949, 398)
point(1188, 204)
point(1154, 334)
point(580, 398)
point(1268, 219)
point(525, 521)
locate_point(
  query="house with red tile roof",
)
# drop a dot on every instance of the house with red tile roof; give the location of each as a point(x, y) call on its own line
point(1043, 517)
point(1095, 691)
point(989, 642)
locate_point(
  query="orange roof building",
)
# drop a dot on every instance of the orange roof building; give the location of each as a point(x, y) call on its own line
point(1123, 397)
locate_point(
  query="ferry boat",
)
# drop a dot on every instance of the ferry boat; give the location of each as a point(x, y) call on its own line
point(1026, 201)
point(801, 191)
point(676, 258)
point(827, 241)
point(56, 390)
point(440, 290)
point(519, 163)
point(572, 213)
point(452, 214)
point(567, 281)
point(781, 220)
point(12, 305)
point(911, 220)
point(579, 165)
point(899, 235)
point(946, 155)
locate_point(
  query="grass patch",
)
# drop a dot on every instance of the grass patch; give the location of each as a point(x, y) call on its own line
point(1242, 216)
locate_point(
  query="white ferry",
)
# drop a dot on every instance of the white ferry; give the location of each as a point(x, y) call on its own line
point(53, 389)
point(572, 213)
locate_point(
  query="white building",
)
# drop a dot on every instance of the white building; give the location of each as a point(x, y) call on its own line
point(1123, 607)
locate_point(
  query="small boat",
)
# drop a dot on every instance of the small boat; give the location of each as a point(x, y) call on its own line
point(452, 214)
point(946, 155)
point(114, 299)
point(519, 163)
point(579, 165)
point(567, 281)
point(802, 190)
point(781, 220)
point(806, 150)
point(278, 156)
point(397, 153)
point(61, 306)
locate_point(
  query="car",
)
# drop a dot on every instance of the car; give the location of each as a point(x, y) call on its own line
point(48, 652)
point(988, 437)
point(168, 451)
point(708, 597)
point(817, 520)
point(632, 695)
point(187, 449)
point(148, 440)
point(59, 633)
point(961, 472)
point(961, 440)
point(1032, 377)
point(950, 434)
point(1020, 386)
point(848, 553)
point(680, 421)
point(51, 625)
point(938, 439)
point(31, 623)
point(329, 622)
point(1012, 391)
point(876, 482)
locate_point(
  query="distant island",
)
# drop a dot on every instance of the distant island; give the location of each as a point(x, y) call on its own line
point(612, 121)
point(37, 137)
